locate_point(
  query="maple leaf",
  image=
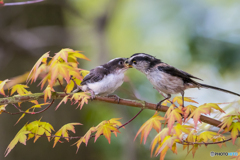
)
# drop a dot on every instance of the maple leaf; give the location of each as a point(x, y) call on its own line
point(203, 109)
point(158, 139)
point(165, 143)
point(219, 138)
point(80, 98)
point(20, 89)
point(153, 122)
point(206, 135)
point(63, 132)
point(59, 69)
point(2, 84)
point(2, 108)
point(179, 129)
point(105, 128)
point(20, 137)
point(227, 121)
point(69, 87)
point(65, 99)
point(174, 115)
point(178, 99)
point(38, 128)
point(235, 129)
point(83, 73)
point(85, 138)
point(188, 109)
point(42, 59)
point(18, 79)
point(48, 93)
point(77, 54)
point(68, 55)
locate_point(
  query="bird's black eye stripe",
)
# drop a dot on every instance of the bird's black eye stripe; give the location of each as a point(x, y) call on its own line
point(136, 59)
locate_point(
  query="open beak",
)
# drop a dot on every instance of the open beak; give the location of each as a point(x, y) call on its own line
point(127, 64)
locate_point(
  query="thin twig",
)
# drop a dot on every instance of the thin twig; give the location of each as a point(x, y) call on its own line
point(61, 86)
point(22, 3)
point(130, 119)
point(21, 112)
point(192, 143)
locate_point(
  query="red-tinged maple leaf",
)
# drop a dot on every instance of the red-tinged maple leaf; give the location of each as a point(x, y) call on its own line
point(68, 55)
point(2, 84)
point(2, 108)
point(105, 128)
point(169, 142)
point(59, 69)
point(170, 109)
point(42, 59)
point(65, 99)
point(175, 115)
point(158, 139)
point(203, 109)
point(85, 138)
point(20, 89)
point(20, 137)
point(188, 109)
point(48, 93)
point(153, 122)
point(206, 135)
point(63, 132)
point(235, 129)
point(45, 79)
point(178, 99)
point(16, 80)
point(80, 98)
point(194, 149)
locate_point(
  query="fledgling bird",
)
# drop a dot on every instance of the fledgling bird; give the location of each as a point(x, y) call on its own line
point(104, 79)
point(165, 78)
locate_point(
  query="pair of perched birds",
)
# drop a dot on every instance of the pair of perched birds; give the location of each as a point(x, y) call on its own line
point(105, 79)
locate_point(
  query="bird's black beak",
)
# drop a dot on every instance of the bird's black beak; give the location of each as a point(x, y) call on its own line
point(127, 64)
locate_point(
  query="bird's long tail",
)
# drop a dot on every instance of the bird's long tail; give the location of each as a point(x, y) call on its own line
point(219, 89)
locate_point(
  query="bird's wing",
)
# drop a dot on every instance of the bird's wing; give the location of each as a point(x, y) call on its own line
point(95, 75)
point(176, 72)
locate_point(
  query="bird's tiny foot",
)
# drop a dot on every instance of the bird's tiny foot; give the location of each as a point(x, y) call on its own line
point(158, 105)
point(92, 94)
point(116, 98)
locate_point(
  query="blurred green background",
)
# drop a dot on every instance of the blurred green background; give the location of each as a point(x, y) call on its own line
point(200, 37)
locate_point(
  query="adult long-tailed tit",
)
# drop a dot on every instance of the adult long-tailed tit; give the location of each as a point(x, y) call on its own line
point(165, 78)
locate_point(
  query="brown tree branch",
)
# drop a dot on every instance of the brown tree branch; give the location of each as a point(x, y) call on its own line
point(127, 102)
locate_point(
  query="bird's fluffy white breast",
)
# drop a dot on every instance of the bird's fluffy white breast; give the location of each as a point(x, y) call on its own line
point(107, 85)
